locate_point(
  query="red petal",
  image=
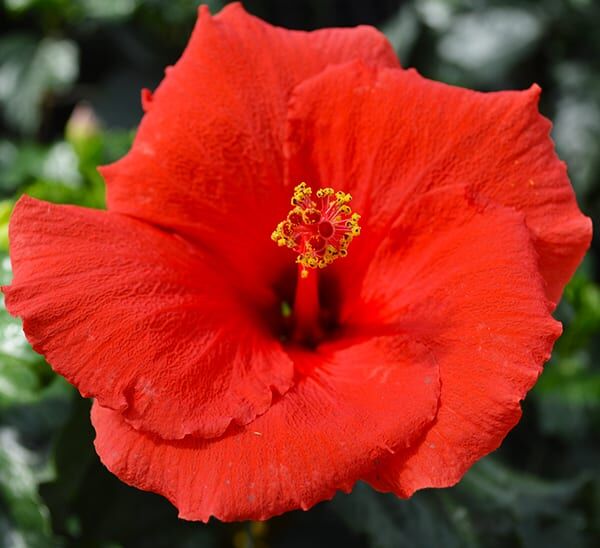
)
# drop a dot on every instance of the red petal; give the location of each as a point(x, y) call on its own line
point(354, 403)
point(388, 136)
point(138, 319)
point(207, 159)
point(146, 99)
point(461, 274)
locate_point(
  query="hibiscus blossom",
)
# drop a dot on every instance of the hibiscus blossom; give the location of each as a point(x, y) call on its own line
point(425, 233)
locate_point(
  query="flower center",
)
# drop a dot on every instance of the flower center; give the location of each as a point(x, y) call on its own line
point(319, 227)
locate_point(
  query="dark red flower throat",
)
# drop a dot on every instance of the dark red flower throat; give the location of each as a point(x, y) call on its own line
point(319, 228)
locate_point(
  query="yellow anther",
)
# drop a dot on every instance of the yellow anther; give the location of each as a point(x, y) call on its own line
point(322, 192)
point(318, 228)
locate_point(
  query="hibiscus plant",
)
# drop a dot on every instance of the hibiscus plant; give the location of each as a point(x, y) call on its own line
point(312, 279)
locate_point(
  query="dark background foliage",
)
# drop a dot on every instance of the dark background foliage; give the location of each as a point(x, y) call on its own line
point(62, 60)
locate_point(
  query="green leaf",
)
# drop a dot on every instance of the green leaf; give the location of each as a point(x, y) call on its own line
point(91, 196)
point(106, 9)
point(31, 71)
point(427, 519)
point(402, 31)
point(487, 43)
point(568, 397)
point(63, 172)
point(26, 434)
point(535, 512)
point(583, 296)
point(33, 405)
point(26, 520)
point(6, 207)
point(18, 383)
point(19, 163)
point(116, 514)
point(13, 343)
point(492, 506)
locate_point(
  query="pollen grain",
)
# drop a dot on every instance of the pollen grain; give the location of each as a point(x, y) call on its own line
point(319, 227)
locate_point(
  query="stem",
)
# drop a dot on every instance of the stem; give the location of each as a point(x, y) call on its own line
point(306, 308)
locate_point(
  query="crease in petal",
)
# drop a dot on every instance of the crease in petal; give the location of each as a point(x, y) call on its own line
point(389, 136)
point(140, 320)
point(207, 158)
point(356, 401)
point(460, 272)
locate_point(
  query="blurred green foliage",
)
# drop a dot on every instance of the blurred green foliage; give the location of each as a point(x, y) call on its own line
point(70, 75)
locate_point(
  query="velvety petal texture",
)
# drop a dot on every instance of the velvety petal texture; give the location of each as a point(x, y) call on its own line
point(470, 232)
point(460, 273)
point(319, 438)
point(141, 320)
point(172, 309)
point(389, 136)
point(208, 156)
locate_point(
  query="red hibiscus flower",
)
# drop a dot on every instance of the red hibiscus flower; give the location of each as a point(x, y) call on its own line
point(392, 343)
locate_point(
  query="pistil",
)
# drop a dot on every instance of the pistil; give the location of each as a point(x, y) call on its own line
point(305, 315)
point(319, 228)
